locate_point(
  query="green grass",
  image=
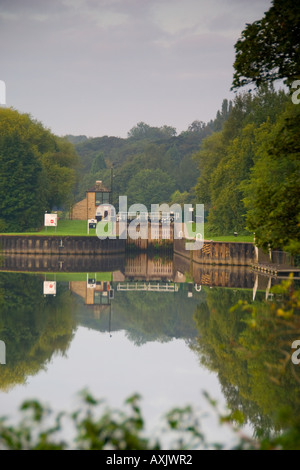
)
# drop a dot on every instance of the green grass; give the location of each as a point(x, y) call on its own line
point(81, 276)
point(67, 277)
point(64, 228)
point(230, 238)
point(79, 228)
point(220, 238)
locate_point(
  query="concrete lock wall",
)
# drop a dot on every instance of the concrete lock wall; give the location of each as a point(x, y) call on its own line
point(215, 276)
point(239, 254)
point(75, 245)
point(60, 263)
point(227, 253)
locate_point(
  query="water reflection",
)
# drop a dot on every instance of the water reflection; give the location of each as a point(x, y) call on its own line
point(34, 328)
point(141, 267)
point(151, 299)
point(249, 347)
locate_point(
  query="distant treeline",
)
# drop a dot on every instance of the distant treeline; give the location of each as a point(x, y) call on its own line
point(153, 165)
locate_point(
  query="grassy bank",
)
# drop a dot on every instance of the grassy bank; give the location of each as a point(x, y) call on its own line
point(198, 228)
point(79, 228)
point(64, 228)
point(67, 277)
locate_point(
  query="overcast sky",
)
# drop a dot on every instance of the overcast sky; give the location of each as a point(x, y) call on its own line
point(98, 67)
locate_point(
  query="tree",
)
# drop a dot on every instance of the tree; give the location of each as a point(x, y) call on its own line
point(140, 131)
point(249, 346)
point(98, 163)
point(22, 199)
point(150, 187)
point(272, 193)
point(144, 131)
point(186, 176)
point(196, 126)
point(37, 171)
point(269, 49)
point(228, 211)
point(168, 131)
point(60, 165)
point(34, 328)
point(180, 198)
point(226, 158)
point(208, 158)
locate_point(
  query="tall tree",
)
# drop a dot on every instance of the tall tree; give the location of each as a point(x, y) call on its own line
point(22, 198)
point(37, 171)
point(150, 187)
point(272, 193)
point(98, 163)
point(269, 49)
point(226, 158)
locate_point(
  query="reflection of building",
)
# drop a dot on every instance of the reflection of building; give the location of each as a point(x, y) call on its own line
point(97, 294)
point(86, 209)
point(147, 269)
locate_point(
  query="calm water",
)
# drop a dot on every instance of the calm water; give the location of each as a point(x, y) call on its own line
point(156, 326)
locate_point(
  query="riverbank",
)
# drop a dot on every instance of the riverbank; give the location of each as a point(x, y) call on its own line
point(218, 253)
point(59, 245)
point(79, 228)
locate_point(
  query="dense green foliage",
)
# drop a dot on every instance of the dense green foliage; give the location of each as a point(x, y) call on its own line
point(269, 49)
point(248, 159)
point(272, 192)
point(153, 165)
point(249, 171)
point(98, 427)
point(37, 171)
point(226, 158)
point(249, 346)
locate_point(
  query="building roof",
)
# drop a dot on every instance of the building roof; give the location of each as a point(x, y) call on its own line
point(98, 187)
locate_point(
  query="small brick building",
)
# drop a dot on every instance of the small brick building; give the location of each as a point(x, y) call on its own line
point(86, 209)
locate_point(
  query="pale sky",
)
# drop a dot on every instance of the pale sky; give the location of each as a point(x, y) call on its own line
point(98, 67)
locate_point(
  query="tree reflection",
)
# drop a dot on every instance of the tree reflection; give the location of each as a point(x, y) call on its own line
point(249, 346)
point(149, 316)
point(33, 327)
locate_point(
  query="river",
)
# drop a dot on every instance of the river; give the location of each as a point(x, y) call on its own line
point(156, 326)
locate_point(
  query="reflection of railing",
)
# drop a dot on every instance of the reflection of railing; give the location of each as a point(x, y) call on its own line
point(147, 286)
